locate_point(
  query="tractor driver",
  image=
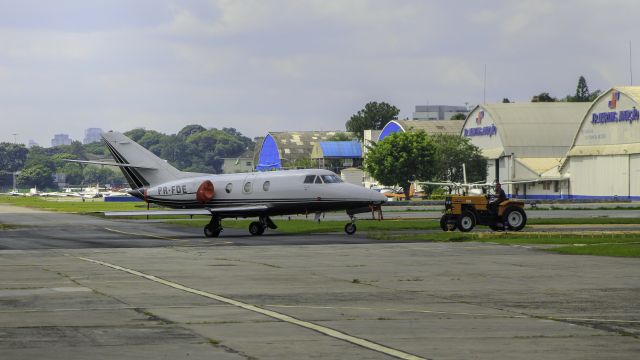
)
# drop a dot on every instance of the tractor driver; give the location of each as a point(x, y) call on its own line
point(499, 197)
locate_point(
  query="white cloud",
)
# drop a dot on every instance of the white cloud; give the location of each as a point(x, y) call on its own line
point(278, 65)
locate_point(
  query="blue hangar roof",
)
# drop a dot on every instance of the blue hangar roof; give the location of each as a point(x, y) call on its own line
point(341, 149)
point(269, 158)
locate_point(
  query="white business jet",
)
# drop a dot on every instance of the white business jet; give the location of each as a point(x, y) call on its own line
point(256, 194)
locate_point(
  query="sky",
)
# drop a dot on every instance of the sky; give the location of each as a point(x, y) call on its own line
point(277, 65)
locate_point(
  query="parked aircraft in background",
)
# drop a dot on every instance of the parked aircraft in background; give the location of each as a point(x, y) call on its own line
point(257, 194)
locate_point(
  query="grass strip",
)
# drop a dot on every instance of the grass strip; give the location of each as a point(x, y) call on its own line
point(583, 221)
point(70, 205)
point(621, 250)
point(597, 243)
point(307, 226)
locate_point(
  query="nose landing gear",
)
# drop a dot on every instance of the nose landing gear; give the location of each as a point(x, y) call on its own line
point(351, 228)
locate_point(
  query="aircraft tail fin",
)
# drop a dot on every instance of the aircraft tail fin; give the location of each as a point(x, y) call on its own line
point(127, 151)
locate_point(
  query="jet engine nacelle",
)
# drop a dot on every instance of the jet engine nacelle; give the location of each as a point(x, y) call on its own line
point(199, 190)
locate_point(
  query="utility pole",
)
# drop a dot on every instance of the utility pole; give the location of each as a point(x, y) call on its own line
point(484, 86)
point(15, 138)
point(630, 65)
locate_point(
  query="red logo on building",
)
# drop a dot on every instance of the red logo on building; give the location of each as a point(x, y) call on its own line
point(615, 97)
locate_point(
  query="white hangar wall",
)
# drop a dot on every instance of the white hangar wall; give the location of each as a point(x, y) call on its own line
point(604, 161)
point(526, 142)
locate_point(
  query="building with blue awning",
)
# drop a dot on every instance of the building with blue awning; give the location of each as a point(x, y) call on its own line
point(337, 155)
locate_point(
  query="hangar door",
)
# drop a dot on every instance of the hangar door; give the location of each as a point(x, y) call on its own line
point(634, 175)
point(600, 176)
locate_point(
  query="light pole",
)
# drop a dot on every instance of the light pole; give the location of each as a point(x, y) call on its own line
point(15, 138)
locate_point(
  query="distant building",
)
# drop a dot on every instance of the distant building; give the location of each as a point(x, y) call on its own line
point(438, 112)
point(60, 139)
point(32, 143)
point(92, 135)
point(281, 150)
point(337, 155)
point(241, 164)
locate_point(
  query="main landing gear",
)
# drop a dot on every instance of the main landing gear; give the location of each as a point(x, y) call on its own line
point(213, 228)
point(258, 227)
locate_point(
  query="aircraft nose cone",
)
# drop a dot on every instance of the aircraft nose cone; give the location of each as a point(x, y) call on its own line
point(378, 197)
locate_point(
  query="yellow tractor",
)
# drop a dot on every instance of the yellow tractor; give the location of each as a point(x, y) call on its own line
point(464, 212)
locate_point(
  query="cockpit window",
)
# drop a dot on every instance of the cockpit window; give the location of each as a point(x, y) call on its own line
point(309, 179)
point(330, 179)
point(318, 180)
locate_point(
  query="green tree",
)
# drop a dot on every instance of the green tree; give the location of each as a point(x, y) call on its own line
point(39, 156)
point(459, 116)
point(506, 101)
point(304, 163)
point(582, 91)
point(401, 158)
point(342, 136)
point(12, 156)
point(543, 97)
point(373, 116)
point(96, 148)
point(594, 95)
point(102, 175)
point(135, 134)
point(38, 175)
point(189, 130)
point(450, 152)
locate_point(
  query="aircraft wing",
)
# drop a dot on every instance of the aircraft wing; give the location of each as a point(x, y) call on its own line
point(438, 183)
point(239, 210)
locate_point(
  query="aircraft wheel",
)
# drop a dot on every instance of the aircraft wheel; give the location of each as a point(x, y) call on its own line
point(466, 221)
point(350, 228)
point(210, 231)
point(516, 218)
point(256, 228)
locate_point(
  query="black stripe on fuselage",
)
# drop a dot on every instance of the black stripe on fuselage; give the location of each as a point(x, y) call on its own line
point(133, 176)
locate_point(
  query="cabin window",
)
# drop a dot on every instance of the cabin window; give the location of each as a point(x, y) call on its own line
point(228, 188)
point(309, 179)
point(247, 187)
point(318, 180)
point(330, 179)
point(266, 185)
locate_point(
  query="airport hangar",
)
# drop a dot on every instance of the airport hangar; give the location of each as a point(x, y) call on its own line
point(563, 150)
point(279, 150)
point(604, 159)
point(526, 143)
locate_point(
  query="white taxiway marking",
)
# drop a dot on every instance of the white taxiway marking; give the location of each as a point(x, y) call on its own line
point(158, 236)
point(273, 314)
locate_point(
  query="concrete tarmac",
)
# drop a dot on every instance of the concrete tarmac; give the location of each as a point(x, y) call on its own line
point(179, 297)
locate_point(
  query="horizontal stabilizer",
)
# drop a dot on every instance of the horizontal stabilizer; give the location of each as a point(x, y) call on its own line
point(237, 210)
point(111, 164)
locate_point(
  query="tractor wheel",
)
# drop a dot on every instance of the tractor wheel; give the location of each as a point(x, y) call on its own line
point(515, 218)
point(466, 221)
